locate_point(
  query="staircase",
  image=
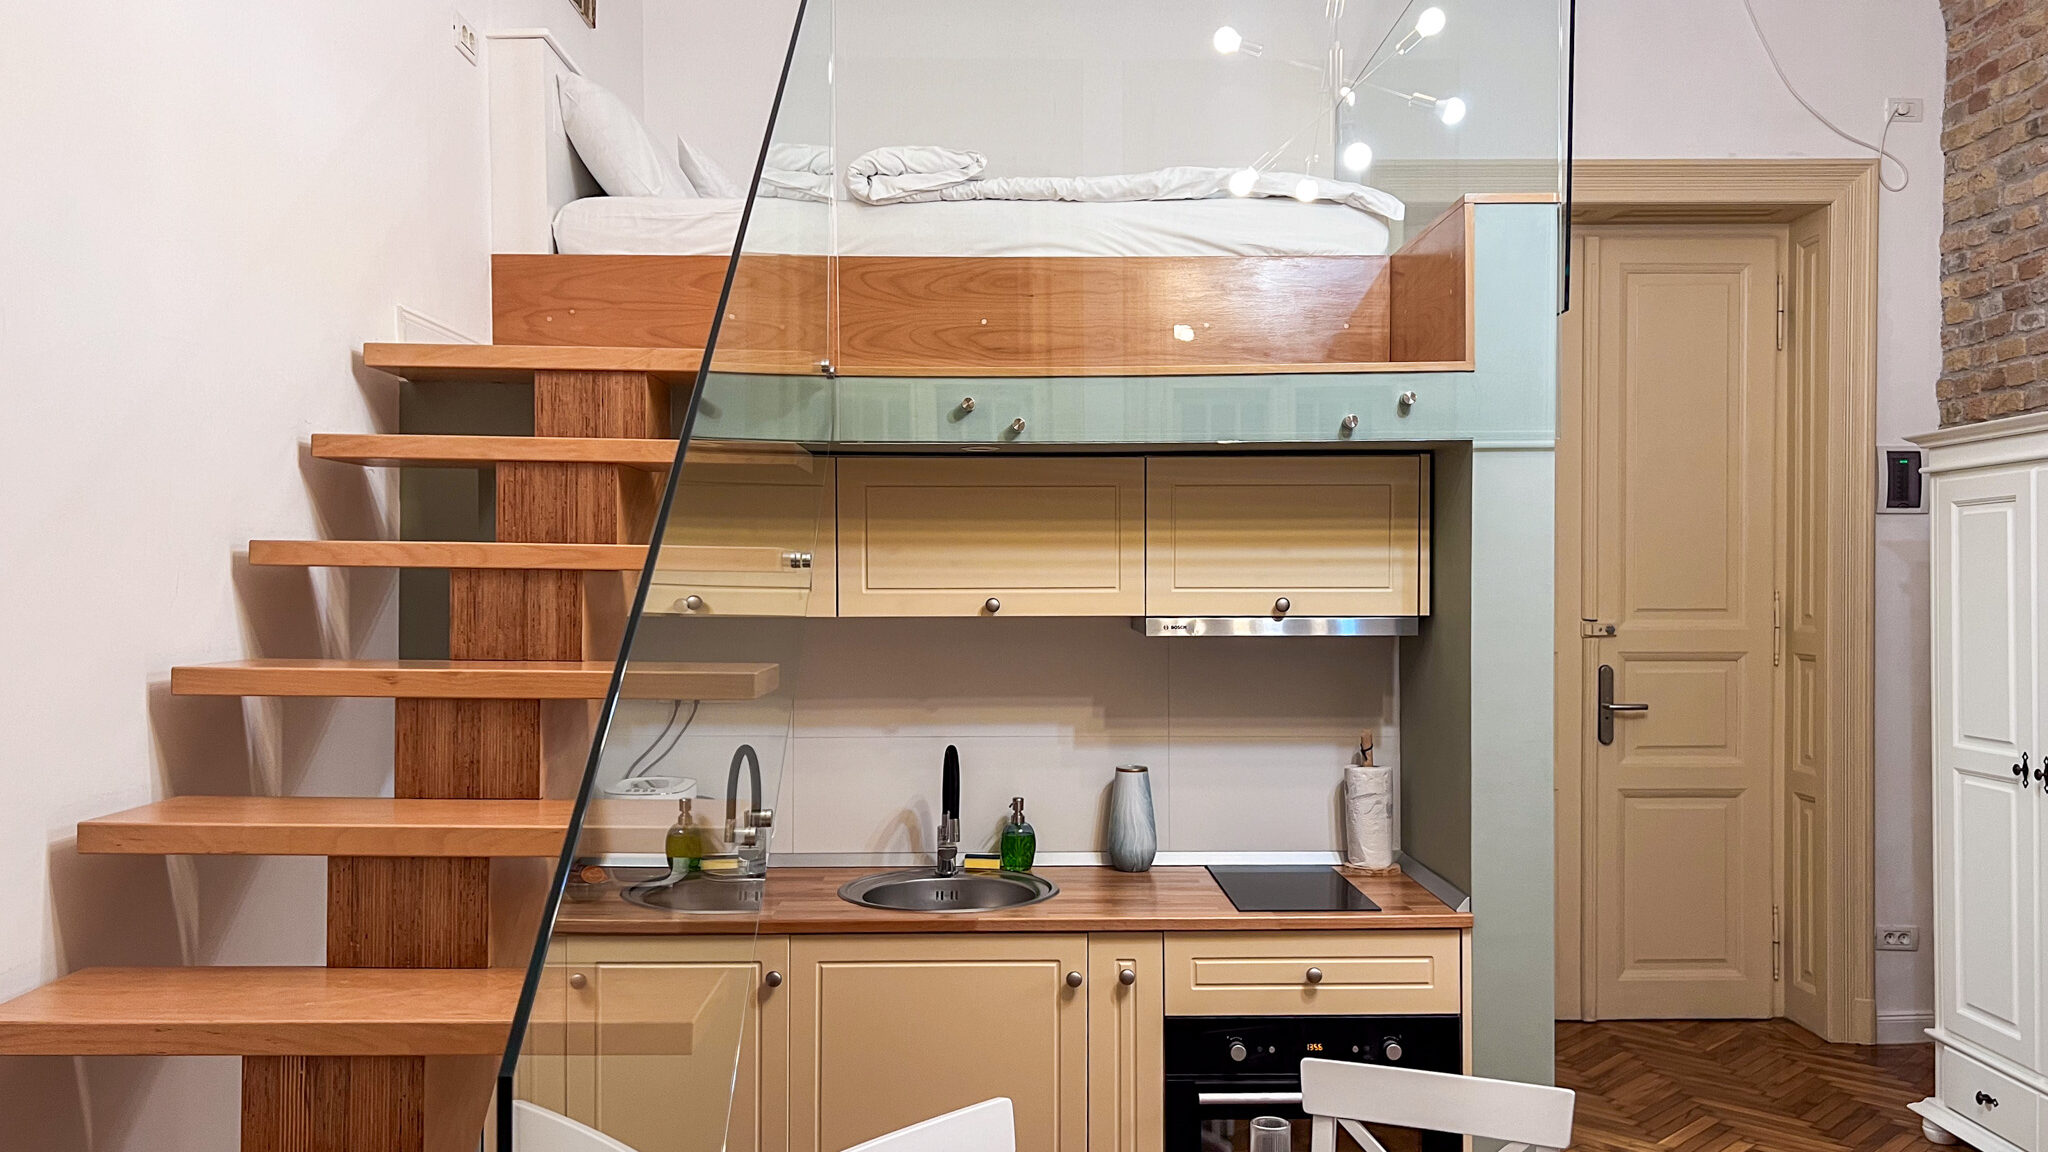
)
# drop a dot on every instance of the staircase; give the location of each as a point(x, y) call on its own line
point(434, 896)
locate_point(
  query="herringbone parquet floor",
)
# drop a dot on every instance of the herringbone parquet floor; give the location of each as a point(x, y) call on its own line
point(1737, 1085)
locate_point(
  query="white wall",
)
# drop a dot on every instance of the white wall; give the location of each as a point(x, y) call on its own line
point(1712, 93)
point(209, 207)
point(1246, 739)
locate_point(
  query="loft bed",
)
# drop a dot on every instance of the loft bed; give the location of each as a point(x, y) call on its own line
point(986, 288)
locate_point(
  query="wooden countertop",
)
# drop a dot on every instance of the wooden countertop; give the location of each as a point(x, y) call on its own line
point(806, 900)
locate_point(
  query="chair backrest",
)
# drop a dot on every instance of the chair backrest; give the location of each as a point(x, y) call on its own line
point(990, 1126)
point(536, 1129)
point(1333, 1091)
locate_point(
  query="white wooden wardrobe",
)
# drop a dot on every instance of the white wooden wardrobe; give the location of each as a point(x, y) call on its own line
point(1988, 497)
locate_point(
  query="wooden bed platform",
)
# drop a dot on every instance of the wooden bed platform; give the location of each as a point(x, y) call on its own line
point(1410, 311)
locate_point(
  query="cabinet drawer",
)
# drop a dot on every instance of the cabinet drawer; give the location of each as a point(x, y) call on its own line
point(1960, 1080)
point(1268, 973)
point(788, 509)
point(1043, 536)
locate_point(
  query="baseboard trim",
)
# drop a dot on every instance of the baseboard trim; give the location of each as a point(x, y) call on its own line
point(1903, 1027)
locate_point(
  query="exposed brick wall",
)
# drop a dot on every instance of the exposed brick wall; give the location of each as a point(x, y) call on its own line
point(1994, 238)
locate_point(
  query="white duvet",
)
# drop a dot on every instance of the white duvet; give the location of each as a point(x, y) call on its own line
point(916, 174)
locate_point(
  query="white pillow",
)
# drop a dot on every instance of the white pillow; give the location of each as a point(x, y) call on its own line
point(613, 144)
point(705, 174)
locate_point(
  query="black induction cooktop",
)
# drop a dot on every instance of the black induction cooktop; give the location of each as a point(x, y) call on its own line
point(1289, 888)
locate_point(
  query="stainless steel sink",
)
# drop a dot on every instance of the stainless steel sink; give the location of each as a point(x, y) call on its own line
point(699, 894)
point(920, 890)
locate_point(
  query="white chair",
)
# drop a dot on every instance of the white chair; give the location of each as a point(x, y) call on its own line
point(990, 1126)
point(536, 1129)
point(1338, 1094)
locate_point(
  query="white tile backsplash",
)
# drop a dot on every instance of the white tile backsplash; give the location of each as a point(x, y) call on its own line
point(1246, 738)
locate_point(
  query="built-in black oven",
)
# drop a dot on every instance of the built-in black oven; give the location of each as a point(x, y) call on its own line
point(1221, 1071)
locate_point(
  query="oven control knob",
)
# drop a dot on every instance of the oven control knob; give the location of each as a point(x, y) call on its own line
point(1238, 1051)
point(1391, 1049)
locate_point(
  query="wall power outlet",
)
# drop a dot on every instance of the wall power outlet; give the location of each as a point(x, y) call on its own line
point(463, 29)
point(1898, 938)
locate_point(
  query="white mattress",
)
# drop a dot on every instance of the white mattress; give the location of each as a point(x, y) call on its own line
point(625, 225)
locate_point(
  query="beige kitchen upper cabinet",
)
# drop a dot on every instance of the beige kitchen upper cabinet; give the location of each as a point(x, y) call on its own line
point(898, 1029)
point(1126, 1042)
point(964, 536)
point(671, 1028)
point(1286, 536)
point(784, 503)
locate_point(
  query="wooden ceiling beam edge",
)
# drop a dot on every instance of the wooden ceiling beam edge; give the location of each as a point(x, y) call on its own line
point(473, 679)
point(330, 826)
point(517, 363)
point(511, 555)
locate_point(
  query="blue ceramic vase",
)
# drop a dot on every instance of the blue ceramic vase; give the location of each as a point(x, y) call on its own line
point(1133, 837)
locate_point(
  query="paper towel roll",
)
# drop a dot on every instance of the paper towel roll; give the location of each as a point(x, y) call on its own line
point(1368, 816)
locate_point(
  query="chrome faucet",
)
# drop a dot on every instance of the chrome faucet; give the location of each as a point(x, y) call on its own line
point(948, 863)
point(748, 833)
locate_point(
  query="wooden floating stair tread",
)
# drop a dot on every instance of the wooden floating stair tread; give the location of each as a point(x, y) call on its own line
point(428, 451)
point(495, 554)
point(265, 1012)
point(473, 679)
point(331, 826)
point(516, 363)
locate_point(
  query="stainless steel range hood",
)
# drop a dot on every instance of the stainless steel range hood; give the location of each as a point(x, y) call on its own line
point(1277, 626)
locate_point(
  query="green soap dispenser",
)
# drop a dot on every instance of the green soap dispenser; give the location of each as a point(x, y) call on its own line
point(686, 846)
point(1020, 843)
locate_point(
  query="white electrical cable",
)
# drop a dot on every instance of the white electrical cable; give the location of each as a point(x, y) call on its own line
point(1906, 173)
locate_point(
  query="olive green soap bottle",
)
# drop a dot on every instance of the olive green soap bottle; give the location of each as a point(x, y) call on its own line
point(1020, 843)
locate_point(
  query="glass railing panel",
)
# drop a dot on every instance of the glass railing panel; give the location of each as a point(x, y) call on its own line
point(647, 989)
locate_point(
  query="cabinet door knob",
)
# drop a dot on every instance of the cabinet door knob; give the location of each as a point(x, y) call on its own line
point(1282, 606)
point(967, 403)
point(1987, 1100)
point(773, 979)
point(1073, 979)
point(1315, 975)
point(693, 602)
point(1350, 422)
point(993, 605)
point(1127, 977)
point(1017, 426)
point(577, 980)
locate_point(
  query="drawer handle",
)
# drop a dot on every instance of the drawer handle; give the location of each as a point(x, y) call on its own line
point(992, 605)
point(1986, 1100)
point(1127, 977)
point(578, 980)
point(1315, 975)
point(1282, 606)
point(693, 602)
point(967, 403)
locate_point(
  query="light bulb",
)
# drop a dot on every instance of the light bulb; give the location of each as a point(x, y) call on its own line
point(1349, 96)
point(1241, 181)
point(1306, 190)
point(1358, 155)
point(1227, 40)
point(1450, 110)
point(1430, 22)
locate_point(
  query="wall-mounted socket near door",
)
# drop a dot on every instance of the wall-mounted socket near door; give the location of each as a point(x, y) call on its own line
point(1905, 110)
point(1898, 938)
point(466, 36)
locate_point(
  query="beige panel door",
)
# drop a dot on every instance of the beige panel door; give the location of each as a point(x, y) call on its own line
point(1681, 531)
point(684, 1044)
point(965, 536)
point(1328, 536)
point(1126, 1043)
point(787, 506)
point(891, 1030)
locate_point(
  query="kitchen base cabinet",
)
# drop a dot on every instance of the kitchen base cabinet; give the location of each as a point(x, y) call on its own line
point(1126, 1035)
point(898, 1029)
point(644, 1047)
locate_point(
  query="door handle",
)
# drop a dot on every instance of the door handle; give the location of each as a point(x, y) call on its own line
point(1608, 707)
